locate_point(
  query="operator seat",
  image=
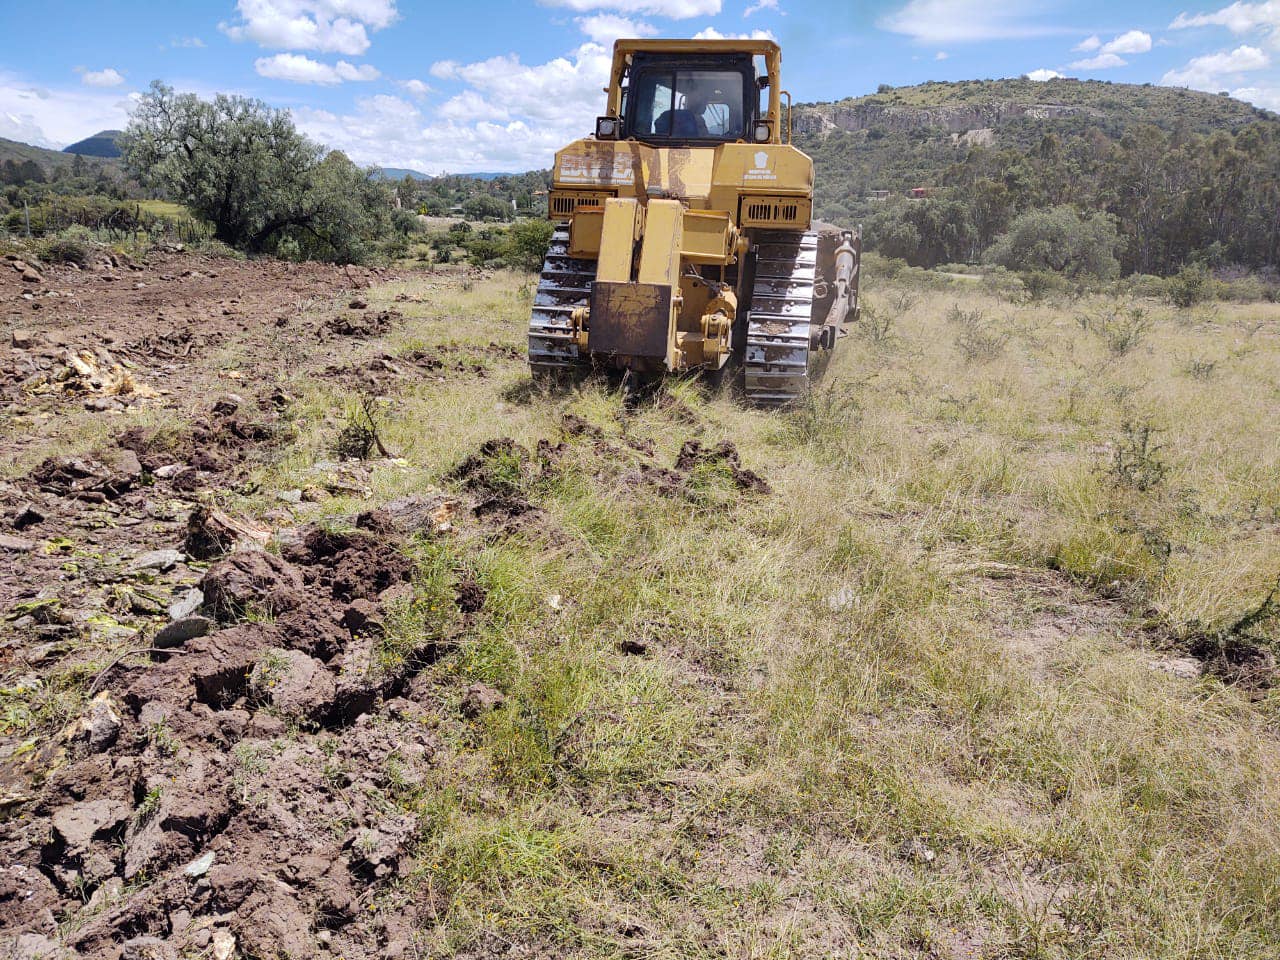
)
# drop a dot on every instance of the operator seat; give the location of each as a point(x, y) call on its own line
point(679, 123)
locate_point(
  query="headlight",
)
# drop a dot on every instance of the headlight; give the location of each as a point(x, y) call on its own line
point(762, 131)
point(606, 128)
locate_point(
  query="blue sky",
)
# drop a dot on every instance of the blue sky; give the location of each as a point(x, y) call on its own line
point(487, 85)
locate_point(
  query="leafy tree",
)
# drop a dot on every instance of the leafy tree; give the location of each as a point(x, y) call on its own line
point(244, 167)
point(486, 207)
point(1061, 240)
point(528, 242)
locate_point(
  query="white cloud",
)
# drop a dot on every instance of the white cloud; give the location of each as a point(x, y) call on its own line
point(562, 92)
point(760, 5)
point(1088, 44)
point(329, 26)
point(711, 33)
point(1042, 75)
point(964, 21)
point(416, 89)
point(296, 68)
point(1103, 61)
point(1239, 18)
point(102, 78)
point(604, 28)
point(187, 43)
point(509, 116)
point(674, 9)
point(1214, 71)
point(55, 117)
point(470, 105)
point(941, 55)
point(392, 132)
point(1265, 97)
point(1131, 41)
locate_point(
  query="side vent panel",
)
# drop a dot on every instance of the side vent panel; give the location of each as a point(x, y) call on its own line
point(565, 203)
point(776, 212)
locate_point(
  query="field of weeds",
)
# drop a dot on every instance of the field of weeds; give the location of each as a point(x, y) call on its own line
point(970, 656)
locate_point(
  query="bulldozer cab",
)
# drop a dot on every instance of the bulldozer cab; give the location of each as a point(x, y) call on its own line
point(693, 93)
point(690, 100)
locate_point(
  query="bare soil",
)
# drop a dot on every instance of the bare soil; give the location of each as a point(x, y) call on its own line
point(166, 818)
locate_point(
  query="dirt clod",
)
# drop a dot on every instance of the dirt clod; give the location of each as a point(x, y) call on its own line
point(470, 596)
point(694, 455)
point(479, 699)
point(249, 581)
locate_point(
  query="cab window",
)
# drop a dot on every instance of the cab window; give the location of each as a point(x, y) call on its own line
point(693, 104)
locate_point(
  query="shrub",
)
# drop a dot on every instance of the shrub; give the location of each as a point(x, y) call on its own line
point(1120, 328)
point(977, 339)
point(71, 246)
point(1039, 284)
point(873, 326)
point(1135, 457)
point(528, 242)
point(1191, 285)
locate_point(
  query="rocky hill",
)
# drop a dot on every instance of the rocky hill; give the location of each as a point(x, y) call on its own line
point(905, 137)
point(1011, 104)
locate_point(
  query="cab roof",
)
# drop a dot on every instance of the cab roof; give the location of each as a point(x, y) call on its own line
point(762, 47)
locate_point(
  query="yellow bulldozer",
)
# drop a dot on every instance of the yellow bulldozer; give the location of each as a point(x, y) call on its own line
point(684, 234)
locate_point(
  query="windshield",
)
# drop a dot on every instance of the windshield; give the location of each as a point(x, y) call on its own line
point(687, 104)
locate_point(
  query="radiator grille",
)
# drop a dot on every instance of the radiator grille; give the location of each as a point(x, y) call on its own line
point(772, 211)
point(564, 205)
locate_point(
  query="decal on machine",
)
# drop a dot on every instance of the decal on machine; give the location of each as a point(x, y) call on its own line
point(608, 167)
point(761, 170)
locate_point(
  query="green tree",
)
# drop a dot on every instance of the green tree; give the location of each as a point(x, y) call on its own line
point(528, 242)
point(485, 207)
point(1059, 239)
point(243, 166)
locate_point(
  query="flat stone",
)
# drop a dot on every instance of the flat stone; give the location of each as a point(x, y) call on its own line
point(22, 339)
point(200, 866)
point(290, 496)
point(187, 604)
point(170, 470)
point(1184, 668)
point(842, 599)
point(178, 632)
point(104, 724)
point(11, 544)
point(160, 560)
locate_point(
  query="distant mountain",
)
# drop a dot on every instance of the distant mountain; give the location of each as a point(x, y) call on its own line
point(101, 144)
point(399, 173)
point(49, 160)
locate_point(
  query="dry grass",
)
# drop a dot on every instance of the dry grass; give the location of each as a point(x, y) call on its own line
point(904, 706)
